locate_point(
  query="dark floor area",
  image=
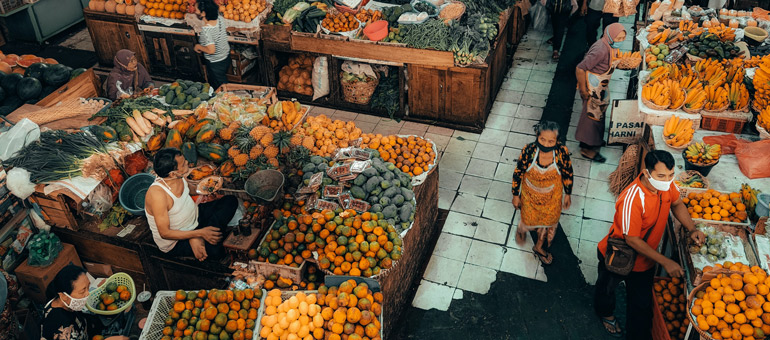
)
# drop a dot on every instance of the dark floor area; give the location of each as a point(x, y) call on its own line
point(51, 49)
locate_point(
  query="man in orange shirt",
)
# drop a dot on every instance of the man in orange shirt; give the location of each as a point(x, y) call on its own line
point(641, 212)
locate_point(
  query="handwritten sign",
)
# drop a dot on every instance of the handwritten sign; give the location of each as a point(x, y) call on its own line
point(626, 122)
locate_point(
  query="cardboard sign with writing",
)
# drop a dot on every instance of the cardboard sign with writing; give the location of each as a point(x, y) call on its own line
point(626, 122)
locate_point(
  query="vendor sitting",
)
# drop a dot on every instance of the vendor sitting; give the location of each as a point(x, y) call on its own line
point(173, 215)
point(127, 77)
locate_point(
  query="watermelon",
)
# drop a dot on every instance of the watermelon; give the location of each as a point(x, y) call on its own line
point(29, 88)
point(9, 82)
point(47, 89)
point(76, 72)
point(36, 70)
point(29, 61)
point(13, 102)
point(56, 75)
point(2, 94)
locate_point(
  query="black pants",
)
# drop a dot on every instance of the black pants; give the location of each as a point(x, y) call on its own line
point(593, 20)
point(212, 214)
point(638, 299)
point(559, 21)
point(217, 72)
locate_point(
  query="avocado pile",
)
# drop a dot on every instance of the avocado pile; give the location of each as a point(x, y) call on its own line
point(708, 45)
point(184, 94)
point(388, 190)
point(391, 14)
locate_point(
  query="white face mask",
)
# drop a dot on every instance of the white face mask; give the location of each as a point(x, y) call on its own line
point(659, 185)
point(76, 305)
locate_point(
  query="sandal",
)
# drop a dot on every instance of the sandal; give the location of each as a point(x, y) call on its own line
point(617, 333)
point(555, 56)
point(596, 158)
point(545, 259)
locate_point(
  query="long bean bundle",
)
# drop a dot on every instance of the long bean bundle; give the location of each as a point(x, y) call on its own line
point(58, 155)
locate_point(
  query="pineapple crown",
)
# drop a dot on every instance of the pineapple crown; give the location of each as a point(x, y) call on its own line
point(282, 139)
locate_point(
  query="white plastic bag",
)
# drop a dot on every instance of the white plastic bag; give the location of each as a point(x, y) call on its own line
point(23, 133)
point(664, 7)
point(320, 77)
point(539, 16)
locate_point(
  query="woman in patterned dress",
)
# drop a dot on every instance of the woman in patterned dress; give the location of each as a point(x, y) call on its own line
point(542, 185)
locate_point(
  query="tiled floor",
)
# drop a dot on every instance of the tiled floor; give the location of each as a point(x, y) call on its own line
point(478, 240)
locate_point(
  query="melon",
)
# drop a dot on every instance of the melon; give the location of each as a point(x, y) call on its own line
point(139, 9)
point(10, 81)
point(98, 5)
point(120, 8)
point(11, 60)
point(19, 70)
point(5, 68)
point(29, 88)
point(130, 10)
point(48, 89)
point(110, 6)
point(56, 75)
point(26, 62)
point(36, 70)
point(51, 61)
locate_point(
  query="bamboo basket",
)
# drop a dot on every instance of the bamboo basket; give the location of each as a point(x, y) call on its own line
point(359, 92)
point(683, 176)
point(690, 111)
point(629, 63)
point(654, 106)
point(681, 147)
point(763, 134)
point(742, 110)
point(718, 110)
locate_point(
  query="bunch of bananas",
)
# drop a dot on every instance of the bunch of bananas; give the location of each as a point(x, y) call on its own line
point(692, 182)
point(763, 119)
point(320, 5)
point(677, 132)
point(703, 154)
point(737, 95)
point(761, 83)
point(716, 97)
point(749, 196)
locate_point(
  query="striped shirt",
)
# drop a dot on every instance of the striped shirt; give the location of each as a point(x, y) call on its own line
point(216, 35)
point(636, 211)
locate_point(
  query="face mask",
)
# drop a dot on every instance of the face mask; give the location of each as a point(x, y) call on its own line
point(544, 148)
point(76, 305)
point(615, 45)
point(659, 185)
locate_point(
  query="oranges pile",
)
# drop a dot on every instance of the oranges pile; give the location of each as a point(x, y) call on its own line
point(716, 206)
point(324, 136)
point(350, 311)
point(671, 299)
point(113, 293)
point(413, 155)
point(340, 22)
point(242, 10)
point(735, 306)
point(171, 9)
point(298, 317)
point(213, 315)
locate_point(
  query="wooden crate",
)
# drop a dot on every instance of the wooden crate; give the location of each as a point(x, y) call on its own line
point(276, 33)
point(85, 85)
point(55, 210)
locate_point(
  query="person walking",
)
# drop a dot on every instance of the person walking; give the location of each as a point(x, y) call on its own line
point(212, 42)
point(641, 214)
point(560, 11)
point(593, 80)
point(542, 185)
point(594, 16)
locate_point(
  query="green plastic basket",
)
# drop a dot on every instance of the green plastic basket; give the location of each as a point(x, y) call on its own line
point(120, 279)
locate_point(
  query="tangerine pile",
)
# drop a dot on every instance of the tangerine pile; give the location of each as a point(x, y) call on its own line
point(735, 306)
point(324, 136)
point(291, 240)
point(242, 10)
point(213, 315)
point(413, 155)
point(350, 311)
point(671, 299)
point(172, 9)
point(113, 293)
point(298, 317)
point(297, 75)
point(716, 206)
point(340, 22)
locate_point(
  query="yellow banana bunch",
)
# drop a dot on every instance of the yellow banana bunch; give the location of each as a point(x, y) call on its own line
point(749, 196)
point(763, 119)
point(678, 132)
point(737, 95)
point(703, 154)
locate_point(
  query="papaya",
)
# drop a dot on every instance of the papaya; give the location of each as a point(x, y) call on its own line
point(206, 133)
point(156, 141)
point(192, 132)
point(190, 153)
point(212, 151)
point(174, 139)
point(227, 168)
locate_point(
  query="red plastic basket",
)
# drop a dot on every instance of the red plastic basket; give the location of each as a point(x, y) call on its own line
point(722, 123)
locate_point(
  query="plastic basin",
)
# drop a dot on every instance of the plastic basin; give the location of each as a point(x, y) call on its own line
point(703, 169)
point(132, 192)
point(755, 35)
point(763, 205)
point(264, 185)
point(377, 30)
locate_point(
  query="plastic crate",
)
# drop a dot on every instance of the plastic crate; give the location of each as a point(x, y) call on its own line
point(723, 124)
point(9, 5)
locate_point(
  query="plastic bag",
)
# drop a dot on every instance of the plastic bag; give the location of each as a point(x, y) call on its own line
point(43, 249)
point(728, 142)
point(664, 7)
point(23, 133)
point(539, 16)
point(320, 77)
point(752, 158)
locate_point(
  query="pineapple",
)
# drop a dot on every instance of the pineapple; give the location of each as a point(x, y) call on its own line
point(233, 151)
point(308, 142)
point(282, 139)
point(256, 151)
point(271, 151)
point(241, 159)
point(266, 140)
point(273, 162)
point(226, 133)
point(297, 139)
point(259, 131)
point(242, 139)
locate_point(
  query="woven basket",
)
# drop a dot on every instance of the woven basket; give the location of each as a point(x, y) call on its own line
point(119, 279)
point(676, 108)
point(683, 176)
point(690, 111)
point(626, 171)
point(763, 134)
point(681, 147)
point(744, 109)
point(719, 110)
point(358, 92)
point(704, 335)
point(456, 17)
point(629, 63)
point(654, 106)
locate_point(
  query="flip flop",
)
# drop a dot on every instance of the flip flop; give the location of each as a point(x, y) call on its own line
point(555, 56)
point(596, 158)
point(614, 323)
point(545, 259)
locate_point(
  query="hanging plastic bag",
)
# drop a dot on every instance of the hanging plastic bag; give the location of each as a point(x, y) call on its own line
point(320, 77)
point(752, 158)
point(23, 133)
point(728, 142)
point(539, 16)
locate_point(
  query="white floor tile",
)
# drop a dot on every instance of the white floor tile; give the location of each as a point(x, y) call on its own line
point(461, 147)
point(509, 96)
point(612, 155)
point(520, 263)
point(497, 135)
point(476, 279)
point(513, 84)
point(590, 273)
point(500, 191)
point(491, 231)
point(574, 243)
point(441, 141)
point(433, 296)
point(542, 76)
point(441, 130)
point(519, 140)
point(579, 185)
point(445, 198)
point(529, 112)
point(503, 109)
point(571, 225)
point(454, 162)
point(524, 126)
point(344, 115)
point(571, 133)
point(481, 168)
point(504, 172)
point(468, 204)
point(576, 209)
point(599, 190)
point(452, 246)
point(367, 119)
point(533, 99)
point(520, 73)
point(475, 185)
point(601, 171)
point(541, 275)
point(449, 179)
point(537, 87)
point(594, 230)
point(510, 155)
point(461, 224)
point(465, 135)
point(458, 294)
point(580, 166)
point(485, 254)
point(587, 252)
point(443, 271)
point(501, 211)
point(488, 152)
point(599, 210)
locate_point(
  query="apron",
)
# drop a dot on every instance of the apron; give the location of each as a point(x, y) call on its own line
point(598, 88)
point(541, 196)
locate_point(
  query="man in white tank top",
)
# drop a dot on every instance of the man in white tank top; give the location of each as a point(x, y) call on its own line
point(180, 227)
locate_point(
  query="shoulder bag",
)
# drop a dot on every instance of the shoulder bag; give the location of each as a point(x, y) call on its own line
point(620, 257)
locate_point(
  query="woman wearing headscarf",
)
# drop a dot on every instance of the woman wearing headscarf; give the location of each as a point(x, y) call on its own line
point(593, 79)
point(127, 77)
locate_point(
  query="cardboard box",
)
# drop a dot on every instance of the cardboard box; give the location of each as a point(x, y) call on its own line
point(98, 269)
point(239, 64)
point(35, 280)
